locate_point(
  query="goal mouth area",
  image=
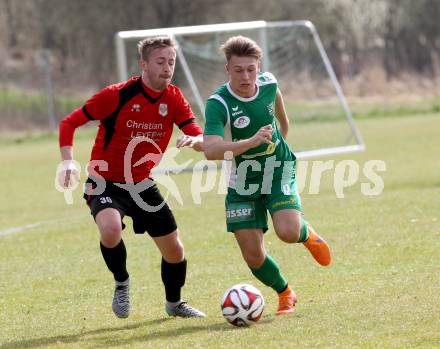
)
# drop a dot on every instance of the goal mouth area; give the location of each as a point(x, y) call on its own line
point(321, 120)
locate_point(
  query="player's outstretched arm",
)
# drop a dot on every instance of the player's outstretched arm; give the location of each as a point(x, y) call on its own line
point(215, 147)
point(281, 114)
point(192, 137)
point(69, 172)
point(195, 142)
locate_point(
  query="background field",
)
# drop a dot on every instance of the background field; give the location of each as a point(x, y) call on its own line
point(382, 291)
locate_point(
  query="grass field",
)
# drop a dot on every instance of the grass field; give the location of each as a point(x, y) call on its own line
point(382, 290)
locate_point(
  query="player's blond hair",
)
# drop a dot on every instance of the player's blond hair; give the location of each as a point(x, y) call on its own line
point(146, 46)
point(241, 46)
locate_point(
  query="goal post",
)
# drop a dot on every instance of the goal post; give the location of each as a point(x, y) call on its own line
point(321, 120)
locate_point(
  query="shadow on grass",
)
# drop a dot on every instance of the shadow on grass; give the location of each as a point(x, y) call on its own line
point(105, 340)
point(173, 333)
point(73, 338)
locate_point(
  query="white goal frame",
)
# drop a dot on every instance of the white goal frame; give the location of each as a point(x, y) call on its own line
point(122, 36)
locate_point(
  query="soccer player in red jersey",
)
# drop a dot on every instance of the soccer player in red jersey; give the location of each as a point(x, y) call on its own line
point(136, 120)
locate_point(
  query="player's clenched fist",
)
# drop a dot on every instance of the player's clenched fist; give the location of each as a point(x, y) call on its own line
point(264, 135)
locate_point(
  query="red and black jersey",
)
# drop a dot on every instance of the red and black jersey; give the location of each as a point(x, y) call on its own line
point(131, 113)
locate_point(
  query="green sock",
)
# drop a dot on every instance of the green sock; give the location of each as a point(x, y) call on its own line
point(304, 232)
point(269, 274)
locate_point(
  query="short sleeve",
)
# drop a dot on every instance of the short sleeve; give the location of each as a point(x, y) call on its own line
point(216, 118)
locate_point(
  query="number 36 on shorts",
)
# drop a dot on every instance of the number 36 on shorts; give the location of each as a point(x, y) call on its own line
point(105, 200)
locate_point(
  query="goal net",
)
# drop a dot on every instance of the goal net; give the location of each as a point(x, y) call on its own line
point(320, 119)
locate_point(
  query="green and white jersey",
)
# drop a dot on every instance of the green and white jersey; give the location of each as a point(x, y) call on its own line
point(235, 118)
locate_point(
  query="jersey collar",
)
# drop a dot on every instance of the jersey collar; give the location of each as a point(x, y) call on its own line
point(242, 99)
point(150, 94)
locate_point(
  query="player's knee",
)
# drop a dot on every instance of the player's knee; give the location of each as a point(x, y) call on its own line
point(177, 251)
point(174, 253)
point(110, 234)
point(253, 260)
point(289, 234)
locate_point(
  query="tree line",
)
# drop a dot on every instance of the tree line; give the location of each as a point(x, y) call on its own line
point(399, 36)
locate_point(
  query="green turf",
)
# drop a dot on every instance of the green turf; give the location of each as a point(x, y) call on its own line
point(382, 291)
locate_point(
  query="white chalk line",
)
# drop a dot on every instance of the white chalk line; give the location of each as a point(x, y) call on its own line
point(21, 228)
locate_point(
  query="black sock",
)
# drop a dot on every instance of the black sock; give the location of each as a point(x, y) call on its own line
point(116, 258)
point(173, 278)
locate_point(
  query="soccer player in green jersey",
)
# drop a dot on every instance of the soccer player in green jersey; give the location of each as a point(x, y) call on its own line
point(241, 125)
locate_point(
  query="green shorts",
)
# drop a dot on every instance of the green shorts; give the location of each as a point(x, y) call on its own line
point(250, 211)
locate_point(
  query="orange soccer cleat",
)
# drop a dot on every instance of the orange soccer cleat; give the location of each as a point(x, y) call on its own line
point(287, 301)
point(318, 248)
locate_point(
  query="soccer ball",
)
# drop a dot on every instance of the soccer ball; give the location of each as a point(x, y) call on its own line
point(242, 305)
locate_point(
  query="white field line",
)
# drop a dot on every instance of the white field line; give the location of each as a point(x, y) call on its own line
point(20, 228)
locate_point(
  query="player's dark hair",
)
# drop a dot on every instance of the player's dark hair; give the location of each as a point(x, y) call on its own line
point(146, 46)
point(241, 46)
